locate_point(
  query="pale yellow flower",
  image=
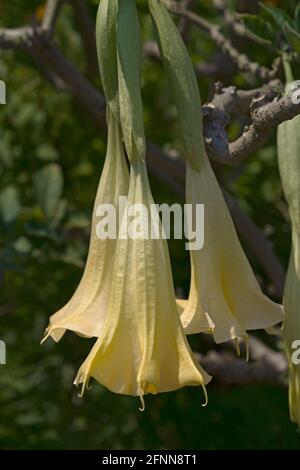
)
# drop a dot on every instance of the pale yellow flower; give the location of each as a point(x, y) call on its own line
point(86, 310)
point(225, 297)
point(142, 348)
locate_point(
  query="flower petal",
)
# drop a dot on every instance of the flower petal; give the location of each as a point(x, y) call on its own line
point(85, 312)
point(228, 294)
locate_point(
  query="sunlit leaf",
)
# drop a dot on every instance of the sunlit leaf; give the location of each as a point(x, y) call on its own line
point(297, 17)
point(258, 27)
point(9, 204)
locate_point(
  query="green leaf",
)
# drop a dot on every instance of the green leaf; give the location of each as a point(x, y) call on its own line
point(292, 37)
point(59, 213)
point(276, 14)
point(48, 187)
point(22, 245)
point(297, 17)
point(129, 71)
point(9, 204)
point(258, 27)
point(106, 41)
point(47, 153)
point(6, 148)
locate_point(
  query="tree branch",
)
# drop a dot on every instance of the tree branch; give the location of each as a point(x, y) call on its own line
point(14, 38)
point(218, 66)
point(265, 365)
point(87, 30)
point(265, 117)
point(237, 26)
point(51, 13)
point(243, 63)
point(184, 23)
point(226, 368)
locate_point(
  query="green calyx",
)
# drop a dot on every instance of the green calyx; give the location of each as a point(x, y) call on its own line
point(106, 42)
point(119, 47)
point(129, 78)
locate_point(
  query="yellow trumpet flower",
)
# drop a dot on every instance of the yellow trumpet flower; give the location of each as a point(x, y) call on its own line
point(225, 297)
point(142, 348)
point(85, 312)
point(126, 297)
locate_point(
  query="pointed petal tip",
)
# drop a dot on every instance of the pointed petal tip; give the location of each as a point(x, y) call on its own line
point(84, 386)
point(205, 395)
point(247, 346)
point(141, 396)
point(237, 346)
point(274, 331)
point(46, 336)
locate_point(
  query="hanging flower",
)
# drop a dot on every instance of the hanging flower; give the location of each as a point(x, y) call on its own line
point(225, 297)
point(86, 310)
point(126, 297)
point(142, 348)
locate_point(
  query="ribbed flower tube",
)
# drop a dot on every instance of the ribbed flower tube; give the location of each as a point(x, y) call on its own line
point(85, 312)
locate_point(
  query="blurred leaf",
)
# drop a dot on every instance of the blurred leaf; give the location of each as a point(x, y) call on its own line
point(6, 152)
point(297, 17)
point(47, 153)
point(276, 14)
point(22, 245)
point(48, 187)
point(292, 37)
point(28, 115)
point(9, 204)
point(258, 27)
point(78, 221)
point(59, 213)
point(71, 256)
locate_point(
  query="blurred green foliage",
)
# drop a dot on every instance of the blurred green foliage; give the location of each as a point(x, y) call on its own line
point(51, 157)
